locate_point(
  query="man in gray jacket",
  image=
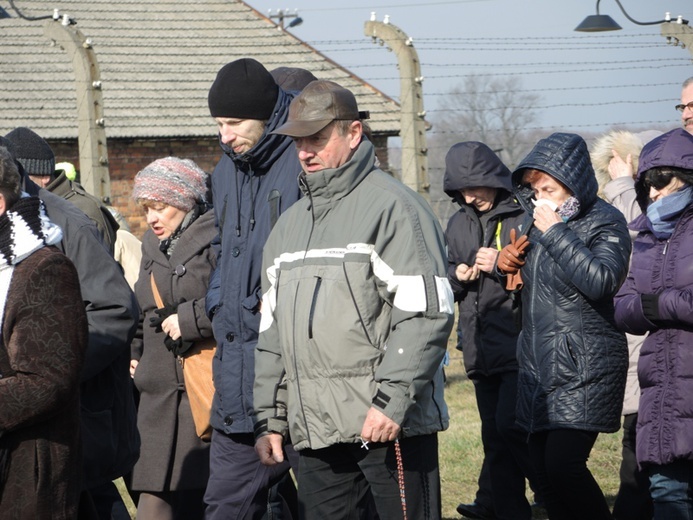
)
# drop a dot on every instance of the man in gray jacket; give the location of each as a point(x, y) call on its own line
point(356, 314)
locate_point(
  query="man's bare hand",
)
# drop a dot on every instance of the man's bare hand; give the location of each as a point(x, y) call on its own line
point(486, 259)
point(270, 449)
point(465, 273)
point(378, 427)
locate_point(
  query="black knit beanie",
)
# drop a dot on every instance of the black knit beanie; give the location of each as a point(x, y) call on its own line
point(32, 151)
point(244, 89)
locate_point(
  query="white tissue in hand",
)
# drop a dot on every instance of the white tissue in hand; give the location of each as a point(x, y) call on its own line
point(545, 202)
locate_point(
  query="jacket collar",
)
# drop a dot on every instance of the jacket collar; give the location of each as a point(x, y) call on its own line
point(195, 240)
point(330, 185)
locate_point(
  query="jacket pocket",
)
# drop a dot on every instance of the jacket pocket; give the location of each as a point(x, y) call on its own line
point(567, 360)
point(365, 299)
point(313, 305)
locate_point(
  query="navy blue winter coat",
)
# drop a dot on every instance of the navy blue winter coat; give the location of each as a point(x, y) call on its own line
point(488, 314)
point(572, 359)
point(663, 267)
point(250, 191)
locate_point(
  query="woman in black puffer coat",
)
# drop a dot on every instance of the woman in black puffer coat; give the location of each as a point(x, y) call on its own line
point(572, 360)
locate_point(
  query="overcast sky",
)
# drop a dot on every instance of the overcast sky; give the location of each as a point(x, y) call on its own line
point(587, 82)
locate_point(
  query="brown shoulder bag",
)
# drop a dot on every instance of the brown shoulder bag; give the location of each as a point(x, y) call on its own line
point(197, 374)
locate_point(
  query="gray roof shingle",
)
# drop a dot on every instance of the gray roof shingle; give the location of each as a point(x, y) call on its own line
point(157, 59)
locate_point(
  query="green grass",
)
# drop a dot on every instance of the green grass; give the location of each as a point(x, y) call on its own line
point(461, 452)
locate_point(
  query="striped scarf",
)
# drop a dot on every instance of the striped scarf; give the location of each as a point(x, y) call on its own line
point(23, 229)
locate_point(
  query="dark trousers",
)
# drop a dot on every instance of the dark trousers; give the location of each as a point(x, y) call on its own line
point(484, 495)
point(633, 501)
point(239, 484)
point(171, 505)
point(342, 481)
point(565, 483)
point(102, 503)
point(506, 454)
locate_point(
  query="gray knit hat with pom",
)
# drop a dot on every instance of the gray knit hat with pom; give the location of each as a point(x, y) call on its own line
point(177, 182)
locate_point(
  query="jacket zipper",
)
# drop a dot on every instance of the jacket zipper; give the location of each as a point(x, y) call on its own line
point(304, 185)
point(534, 349)
point(667, 382)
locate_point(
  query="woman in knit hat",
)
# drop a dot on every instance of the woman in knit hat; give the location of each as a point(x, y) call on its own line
point(44, 338)
point(172, 471)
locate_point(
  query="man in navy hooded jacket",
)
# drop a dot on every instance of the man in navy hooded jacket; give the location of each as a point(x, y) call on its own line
point(254, 182)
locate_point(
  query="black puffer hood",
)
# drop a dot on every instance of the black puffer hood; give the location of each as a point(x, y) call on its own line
point(565, 157)
point(472, 164)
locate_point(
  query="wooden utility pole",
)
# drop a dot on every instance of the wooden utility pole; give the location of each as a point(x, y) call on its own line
point(93, 153)
point(413, 125)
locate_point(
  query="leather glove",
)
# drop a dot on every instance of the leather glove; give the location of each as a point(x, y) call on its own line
point(177, 346)
point(513, 282)
point(511, 257)
point(161, 315)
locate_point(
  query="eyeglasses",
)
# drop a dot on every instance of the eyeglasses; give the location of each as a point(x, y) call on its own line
point(683, 107)
point(657, 180)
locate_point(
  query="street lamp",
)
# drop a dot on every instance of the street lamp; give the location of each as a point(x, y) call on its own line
point(677, 31)
point(603, 22)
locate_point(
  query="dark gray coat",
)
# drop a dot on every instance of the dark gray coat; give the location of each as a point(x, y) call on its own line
point(109, 434)
point(170, 445)
point(572, 359)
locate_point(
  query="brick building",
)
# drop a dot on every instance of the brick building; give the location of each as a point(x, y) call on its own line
point(157, 59)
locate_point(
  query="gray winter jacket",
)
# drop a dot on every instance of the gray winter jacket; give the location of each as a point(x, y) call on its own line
point(356, 311)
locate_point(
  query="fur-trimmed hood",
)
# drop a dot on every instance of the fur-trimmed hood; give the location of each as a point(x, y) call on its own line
point(602, 152)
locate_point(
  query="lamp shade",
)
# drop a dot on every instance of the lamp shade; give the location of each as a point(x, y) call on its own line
point(598, 23)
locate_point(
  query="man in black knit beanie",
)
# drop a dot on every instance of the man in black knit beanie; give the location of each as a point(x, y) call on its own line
point(254, 182)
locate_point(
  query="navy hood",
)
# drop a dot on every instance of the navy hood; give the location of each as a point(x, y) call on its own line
point(565, 158)
point(472, 164)
point(270, 146)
